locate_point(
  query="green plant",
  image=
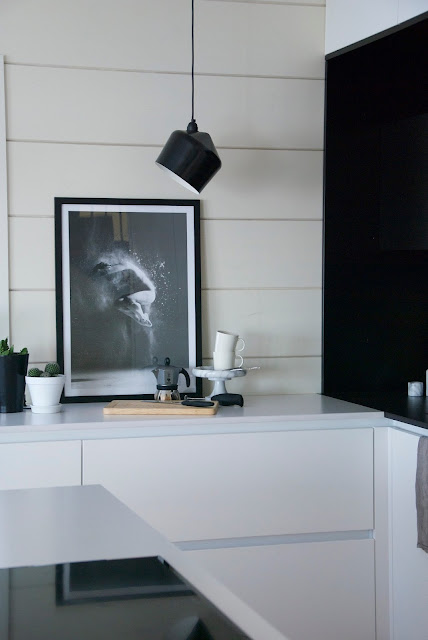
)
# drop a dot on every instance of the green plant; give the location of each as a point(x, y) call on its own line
point(51, 371)
point(52, 368)
point(6, 350)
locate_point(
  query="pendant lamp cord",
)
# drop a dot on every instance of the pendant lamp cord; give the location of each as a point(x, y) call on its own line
point(193, 59)
point(192, 127)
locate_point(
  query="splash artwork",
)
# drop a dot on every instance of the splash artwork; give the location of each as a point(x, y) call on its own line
point(121, 270)
point(130, 294)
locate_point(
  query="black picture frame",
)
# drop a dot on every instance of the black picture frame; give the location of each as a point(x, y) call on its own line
point(128, 295)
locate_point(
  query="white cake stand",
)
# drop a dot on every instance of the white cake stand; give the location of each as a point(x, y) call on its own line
point(218, 377)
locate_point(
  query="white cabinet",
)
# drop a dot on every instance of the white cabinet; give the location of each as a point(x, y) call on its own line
point(409, 564)
point(322, 590)
point(239, 485)
point(217, 490)
point(29, 465)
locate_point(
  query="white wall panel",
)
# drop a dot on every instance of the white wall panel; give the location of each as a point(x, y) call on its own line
point(128, 34)
point(276, 375)
point(92, 171)
point(252, 183)
point(256, 39)
point(270, 39)
point(32, 254)
point(353, 20)
point(4, 249)
point(132, 108)
point(257, 254)
point(33, 323)
point(93, 91)
point(266, 184)
point(272, 322)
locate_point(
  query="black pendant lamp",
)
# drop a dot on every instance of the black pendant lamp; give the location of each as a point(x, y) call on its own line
point(190, 156)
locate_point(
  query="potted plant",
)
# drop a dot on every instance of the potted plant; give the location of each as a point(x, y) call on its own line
point(13, 367)
point(45, 388)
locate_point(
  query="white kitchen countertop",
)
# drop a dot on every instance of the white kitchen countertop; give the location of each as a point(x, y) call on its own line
point(83, 421)
point(71, 524)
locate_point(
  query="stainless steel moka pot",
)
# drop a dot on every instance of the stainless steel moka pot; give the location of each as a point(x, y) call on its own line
point(167, 381)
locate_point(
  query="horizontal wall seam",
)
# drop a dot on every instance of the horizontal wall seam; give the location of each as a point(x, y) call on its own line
point(309, 288)
point(202, 289)
point(44, 216)
point(31, 216)
point(150, 145)
point(250, 356)
point(207, 74)
point(261, 219)
point(291, 4)
point(281, 357)
point(35, 290)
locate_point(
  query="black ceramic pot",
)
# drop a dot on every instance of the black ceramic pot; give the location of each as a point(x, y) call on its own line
point(13, 370)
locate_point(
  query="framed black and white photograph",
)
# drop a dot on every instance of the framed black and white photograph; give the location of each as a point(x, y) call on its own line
point(127, 293)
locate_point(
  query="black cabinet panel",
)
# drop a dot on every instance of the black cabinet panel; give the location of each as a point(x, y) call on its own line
point(376, 215)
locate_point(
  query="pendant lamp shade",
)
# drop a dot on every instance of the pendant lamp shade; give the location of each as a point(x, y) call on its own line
point(190, 156)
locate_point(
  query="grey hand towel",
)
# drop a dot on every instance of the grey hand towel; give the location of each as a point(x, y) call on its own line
point(422, 493)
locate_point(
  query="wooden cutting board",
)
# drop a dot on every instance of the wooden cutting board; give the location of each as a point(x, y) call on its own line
point(145, 408)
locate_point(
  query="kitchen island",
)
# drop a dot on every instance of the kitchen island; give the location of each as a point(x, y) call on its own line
point(55, 526)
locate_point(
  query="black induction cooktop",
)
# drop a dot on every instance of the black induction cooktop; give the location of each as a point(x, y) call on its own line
point(130, 599)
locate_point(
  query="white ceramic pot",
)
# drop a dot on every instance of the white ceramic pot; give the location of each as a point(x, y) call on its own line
point(45, 393)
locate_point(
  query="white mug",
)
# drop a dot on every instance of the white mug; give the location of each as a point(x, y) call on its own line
point(224, 360)
point(415, 388)
point(226, 341)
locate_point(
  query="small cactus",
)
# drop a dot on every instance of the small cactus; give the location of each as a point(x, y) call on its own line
point(51, 371)
point(52, 368)
point(34, 372)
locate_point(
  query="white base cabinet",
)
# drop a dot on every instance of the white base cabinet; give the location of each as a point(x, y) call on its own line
point(409, 564)
point(266, 488)
point(322, 590)
point(30, 465)
point(284, 518)
point(240, 485)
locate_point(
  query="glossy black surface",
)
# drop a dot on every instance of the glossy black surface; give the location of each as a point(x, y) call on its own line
point(192, 157)
point(376, 216)
point(412, 410)
point(132, 599)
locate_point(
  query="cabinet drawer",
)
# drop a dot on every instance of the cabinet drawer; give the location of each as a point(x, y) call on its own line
point(322, 590)
point(237, 485)
point(29, 465)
